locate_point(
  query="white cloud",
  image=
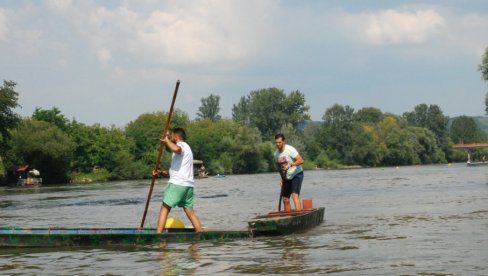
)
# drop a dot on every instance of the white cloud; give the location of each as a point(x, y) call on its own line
point(104, 56)
point(395, 27)
point(59, 5)
point(3, 24)
point(18, 37)
point(465, 31)
point(175, 33)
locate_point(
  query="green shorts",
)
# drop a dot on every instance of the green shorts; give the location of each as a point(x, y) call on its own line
point(176, 195)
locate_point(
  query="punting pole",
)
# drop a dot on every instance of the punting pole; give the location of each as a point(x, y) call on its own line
point(160, 153)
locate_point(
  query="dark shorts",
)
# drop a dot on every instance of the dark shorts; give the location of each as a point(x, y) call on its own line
point(293, 185)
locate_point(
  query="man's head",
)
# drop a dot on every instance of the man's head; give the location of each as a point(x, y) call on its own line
point(280, 141)
point(179, 134)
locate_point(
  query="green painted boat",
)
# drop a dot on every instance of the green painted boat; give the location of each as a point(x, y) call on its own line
point(46, 237)
point(274, 223)
point(286, 222)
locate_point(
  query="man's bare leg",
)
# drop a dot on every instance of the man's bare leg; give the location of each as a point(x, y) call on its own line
point(193, 219)
point(296, 200)
point(163, 215)
point(286, 203)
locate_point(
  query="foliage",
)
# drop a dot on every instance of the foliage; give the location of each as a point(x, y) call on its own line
point(426, 146)
point(337, 132)
point(97, 175)
point(270, 109)
point(486, 103)
point(322, 161)
point(367, 149)
point(464, 130)
point(401, 148)
point(8, 118)
point(205, 138)
point(310, 135)
point(368, 137)
point(370, 115)
point(210, 108)
point(146, 130)
point(228, 147)
point(483, 67)
point(43, 146)
point(53, 116)
point(108, 148)
point(430, 117)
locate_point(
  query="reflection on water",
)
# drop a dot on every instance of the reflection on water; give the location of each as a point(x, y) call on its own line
point(424, 220)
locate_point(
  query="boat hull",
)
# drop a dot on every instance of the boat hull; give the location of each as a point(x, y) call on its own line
point(284, 223)
point(44, 237)
point(274, 223)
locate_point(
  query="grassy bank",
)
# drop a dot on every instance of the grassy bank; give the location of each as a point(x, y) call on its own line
point(97, 175)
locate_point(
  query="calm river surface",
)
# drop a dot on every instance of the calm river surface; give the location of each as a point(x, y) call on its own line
point(421, 220)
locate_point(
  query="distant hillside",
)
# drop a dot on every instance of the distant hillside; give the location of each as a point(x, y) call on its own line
point(481, 121)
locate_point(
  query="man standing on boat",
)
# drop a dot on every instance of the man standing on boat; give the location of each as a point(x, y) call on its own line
point(289, 162)
point(179, 191)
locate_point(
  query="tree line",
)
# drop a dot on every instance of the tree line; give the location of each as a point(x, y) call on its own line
point(65, 150)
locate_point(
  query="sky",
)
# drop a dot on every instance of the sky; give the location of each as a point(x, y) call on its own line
point(109, 61)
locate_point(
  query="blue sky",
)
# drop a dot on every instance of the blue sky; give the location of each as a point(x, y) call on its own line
point(108, 62)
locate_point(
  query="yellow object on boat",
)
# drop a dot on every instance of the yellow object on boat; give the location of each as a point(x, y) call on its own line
point(174, 223)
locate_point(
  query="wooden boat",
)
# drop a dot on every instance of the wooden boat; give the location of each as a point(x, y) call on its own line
point(286, 222)
point(477, 164)
point(46, 237)
point(30, 182)
point(273, 223)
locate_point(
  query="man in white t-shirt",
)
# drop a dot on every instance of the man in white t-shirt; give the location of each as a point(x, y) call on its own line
point(289, 162)
point(179, 191)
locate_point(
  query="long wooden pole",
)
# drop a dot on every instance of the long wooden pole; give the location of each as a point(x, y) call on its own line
point(283, 177)
point(160, 153)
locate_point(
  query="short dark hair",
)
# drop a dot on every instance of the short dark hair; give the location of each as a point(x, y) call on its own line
point(181, 132)
point(280, 135)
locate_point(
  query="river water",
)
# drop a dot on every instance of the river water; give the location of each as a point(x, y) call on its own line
point(419, 220)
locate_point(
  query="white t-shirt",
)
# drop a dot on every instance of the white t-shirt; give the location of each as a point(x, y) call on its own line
point(289, 153)
point(181, 171)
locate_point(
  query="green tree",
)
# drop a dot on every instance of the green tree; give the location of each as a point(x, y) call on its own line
point(43, 146)
point(483, 68)
point(371, 115)
point(146, 131)
point(399, 143)
point(53, 116)
point(337, 132)
point(367, 147)
point(270, 109)
point(8, 118)
point(241, 111)
point(401, 148)
point(210, 108)
point(430, 117)
point(208, 139)
point(311, 133)
point(464, 130)
point(426, 146)
point(249, 154)
point(229, 147)
point(99, 147)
